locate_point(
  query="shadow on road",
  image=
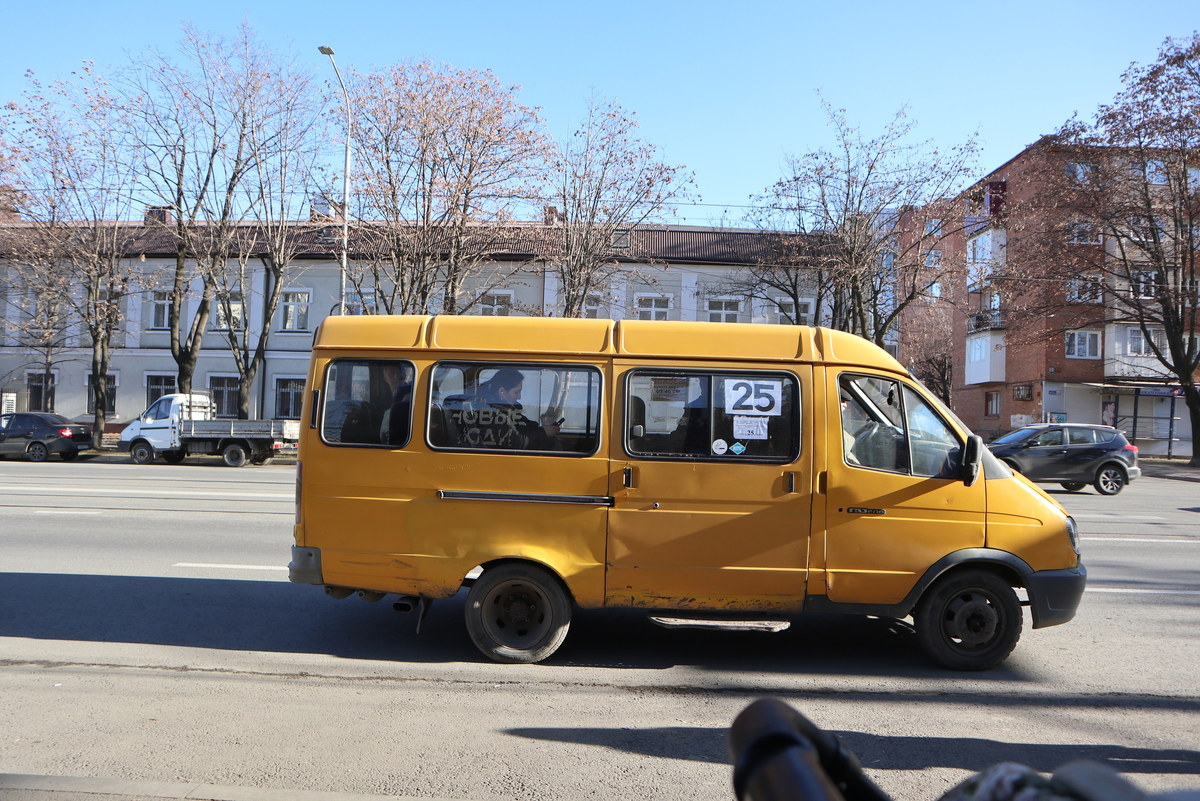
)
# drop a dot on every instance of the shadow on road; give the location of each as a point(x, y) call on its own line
point(281, 617)
point(881, 752)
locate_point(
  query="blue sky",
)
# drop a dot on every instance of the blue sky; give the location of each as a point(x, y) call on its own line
point(728, 89)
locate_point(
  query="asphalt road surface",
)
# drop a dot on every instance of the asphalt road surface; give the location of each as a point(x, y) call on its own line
point(148, 632)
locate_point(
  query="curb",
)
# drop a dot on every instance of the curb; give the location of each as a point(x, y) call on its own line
point(194, 791)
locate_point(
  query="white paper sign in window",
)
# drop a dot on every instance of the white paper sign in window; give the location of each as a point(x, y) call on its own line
point(749, 427)
point(746, 396)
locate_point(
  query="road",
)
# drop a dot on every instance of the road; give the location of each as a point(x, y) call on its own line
point(148, 632)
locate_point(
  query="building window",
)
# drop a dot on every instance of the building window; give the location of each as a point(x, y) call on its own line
point(991, 402)
point(1085, 289)
point(295, 311)
point(723, 311)
point(591, 307)
point(110, 394)
point(1081, 173)
point(653, 308)
point(157, 386)
point(933, 292)
point(620, 240)
point(41, 391)
point(161, 310)
point(933, 228)
point(1144, 285)
point(230, 312)
point(1022, 392)
point(225, 395)
point(1084, 234)
point(358, 303)
point(1139, 345)
point(289, 398)
point(495, 304)
point(1083, 345)
point(1156, 172)
point(788, 312)
point(977, 349)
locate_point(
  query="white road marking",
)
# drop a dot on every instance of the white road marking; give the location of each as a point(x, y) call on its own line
point(43, 489)
point(1135, 591)
point(230, 567)
point(64, 512)
point(1130, 539)
point(1116, 517)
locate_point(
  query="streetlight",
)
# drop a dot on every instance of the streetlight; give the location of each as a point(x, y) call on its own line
point(341, 305)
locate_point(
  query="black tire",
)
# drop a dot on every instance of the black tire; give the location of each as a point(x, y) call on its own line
point(141, 452)
point(174, 457)
point(37, 452)
point(517, 613)
point(69, 456)
point(970, 620)
point(234, 455)
point(1073, 486)
point(1110, 479)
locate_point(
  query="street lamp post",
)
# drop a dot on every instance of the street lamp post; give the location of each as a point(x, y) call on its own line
point(341, 305)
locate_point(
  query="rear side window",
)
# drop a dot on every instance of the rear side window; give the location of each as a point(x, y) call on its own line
point(1080, 436)
point(368, 402)
point(1105, 436)
point(515, 408)
point(712, 416)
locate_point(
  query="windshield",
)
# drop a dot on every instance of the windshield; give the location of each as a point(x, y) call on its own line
point(1014, 436)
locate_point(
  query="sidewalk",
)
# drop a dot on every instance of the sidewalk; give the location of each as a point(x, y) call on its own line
point(29, 787)
point(1176, 469)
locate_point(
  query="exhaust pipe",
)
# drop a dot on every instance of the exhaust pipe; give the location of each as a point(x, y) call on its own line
point(407, 603)
point(371, 595)
point(338, 592)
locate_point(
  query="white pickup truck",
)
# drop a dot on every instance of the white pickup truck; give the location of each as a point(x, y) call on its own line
point(177, 425)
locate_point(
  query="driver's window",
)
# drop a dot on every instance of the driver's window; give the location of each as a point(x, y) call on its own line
point(159, 411)
point(872, 423)
point(1052, 438)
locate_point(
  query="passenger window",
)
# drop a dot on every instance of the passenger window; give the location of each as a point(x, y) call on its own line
point(935, 449)
point(729, 417)
point(1050, 438)
point(368, 402)
point(1081, 436)
point(497, 406)
point(872, 423)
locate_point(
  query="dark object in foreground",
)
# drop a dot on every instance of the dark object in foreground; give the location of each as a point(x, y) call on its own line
point(780, 755)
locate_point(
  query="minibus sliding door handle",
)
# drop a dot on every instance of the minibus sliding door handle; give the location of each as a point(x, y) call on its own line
point(627, 477)
point(316, 408)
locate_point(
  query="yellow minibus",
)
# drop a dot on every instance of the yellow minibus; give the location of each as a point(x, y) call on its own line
point(716, 475)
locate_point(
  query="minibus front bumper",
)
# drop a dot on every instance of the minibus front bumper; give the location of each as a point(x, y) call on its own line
point(1054, 595)
point(305, 567)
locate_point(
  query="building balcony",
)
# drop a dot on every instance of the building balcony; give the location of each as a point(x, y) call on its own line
point(985, 321)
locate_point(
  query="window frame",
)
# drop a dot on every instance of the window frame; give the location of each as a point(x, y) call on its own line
point(684, 372)
point(113, 383)
point(212, 394)
point(723, 299)
point(638, 297)
point(300, 410)
point(218, 311)
point(146, 376)
point(1088, 333)
point(165, 303)
point(40, 374)
point(284, 304)
point(934, 408)
point(600, 389)
point(506, 294)
point(325, 400)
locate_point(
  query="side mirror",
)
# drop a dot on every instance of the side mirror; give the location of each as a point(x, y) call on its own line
point(972, 460)
point(637, 432)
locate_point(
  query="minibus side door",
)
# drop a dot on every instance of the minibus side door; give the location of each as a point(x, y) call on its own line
point(895, 501)
point(711, 481)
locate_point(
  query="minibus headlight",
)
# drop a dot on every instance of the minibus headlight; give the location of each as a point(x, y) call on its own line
point(1073, 534)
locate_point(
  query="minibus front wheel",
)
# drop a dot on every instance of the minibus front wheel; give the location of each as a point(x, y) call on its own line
point(517, 612)
point(969, 620)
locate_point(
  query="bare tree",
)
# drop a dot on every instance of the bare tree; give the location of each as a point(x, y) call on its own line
point(604, 182)
point(880, 209)
point(193, 122)
point(1118, 222)
point(284, 115)
point(76, 176)
point(443, 157)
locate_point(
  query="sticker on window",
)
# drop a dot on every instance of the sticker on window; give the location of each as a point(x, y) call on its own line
point(669, 390)
point(744, 396)
point(749, 427)
point(719, 447)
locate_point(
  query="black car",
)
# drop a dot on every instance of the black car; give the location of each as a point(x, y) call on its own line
point(1072, 454)
point(38, 434)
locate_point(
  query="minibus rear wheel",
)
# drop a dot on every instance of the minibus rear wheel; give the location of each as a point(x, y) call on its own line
point(517, 613)
point(970, 620)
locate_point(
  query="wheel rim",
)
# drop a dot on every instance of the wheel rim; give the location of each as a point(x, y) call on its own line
point(37, 452)
point(1111, 479)
point(517, 614)
point(971, 620)
point(141, 453)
